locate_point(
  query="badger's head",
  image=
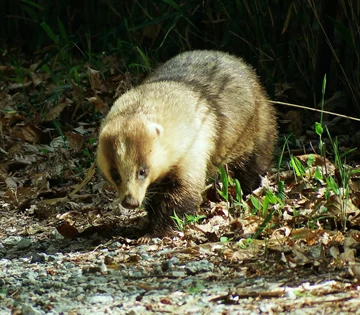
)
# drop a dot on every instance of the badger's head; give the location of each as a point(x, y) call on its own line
point(131, 157)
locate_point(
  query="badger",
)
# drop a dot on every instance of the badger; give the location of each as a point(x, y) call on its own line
point(162, 140)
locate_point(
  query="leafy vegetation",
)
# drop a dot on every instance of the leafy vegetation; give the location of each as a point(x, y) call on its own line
point(181, 223)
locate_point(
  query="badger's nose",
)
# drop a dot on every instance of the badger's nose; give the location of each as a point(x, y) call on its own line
point(130, 202)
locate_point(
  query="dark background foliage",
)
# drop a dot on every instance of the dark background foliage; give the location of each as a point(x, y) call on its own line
point(291, 43)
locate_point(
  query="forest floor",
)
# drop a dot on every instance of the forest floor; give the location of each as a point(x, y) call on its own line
point(66, 247)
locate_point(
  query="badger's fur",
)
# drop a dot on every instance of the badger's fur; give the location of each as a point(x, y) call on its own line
point(161, 140)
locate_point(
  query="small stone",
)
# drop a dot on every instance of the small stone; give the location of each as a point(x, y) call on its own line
point(24, 243)
point(11, 240)
point(2, 250)
point(174, 260)
point(103, 268)
point(68, 265)
point(29, 310)
point(178, 274)
point(99, 299)
point(195, 267)
point(37, 258)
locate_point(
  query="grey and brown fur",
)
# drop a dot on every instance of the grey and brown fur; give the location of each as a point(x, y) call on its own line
point(161, 140)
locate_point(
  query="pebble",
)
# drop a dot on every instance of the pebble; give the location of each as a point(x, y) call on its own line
point(29, 310)
point(99, 299)
point(23, 243)
point(11, 240)
point(195, 267)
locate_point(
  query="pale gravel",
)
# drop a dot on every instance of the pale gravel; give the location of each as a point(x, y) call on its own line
point(57, 276)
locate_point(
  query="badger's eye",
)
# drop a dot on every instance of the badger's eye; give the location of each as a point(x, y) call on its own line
point(115, 176)
point(143, 172)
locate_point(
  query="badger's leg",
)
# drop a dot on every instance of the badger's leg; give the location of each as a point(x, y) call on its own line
point(179, 192)
point(175, 197)
point(247, 173)
point(248, 170)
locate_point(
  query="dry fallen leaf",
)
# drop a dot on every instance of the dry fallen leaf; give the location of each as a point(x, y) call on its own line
point(67, 230)
point(95, 80)
point(56, 111)
point(99, 104)
point(76, 141)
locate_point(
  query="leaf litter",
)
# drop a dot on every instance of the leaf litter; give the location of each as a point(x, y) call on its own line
point(307, 248)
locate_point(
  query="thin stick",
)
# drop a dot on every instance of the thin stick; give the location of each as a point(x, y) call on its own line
point(315, 110)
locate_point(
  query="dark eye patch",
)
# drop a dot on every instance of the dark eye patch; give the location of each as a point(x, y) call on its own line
point(143, 172)
point(115, 176)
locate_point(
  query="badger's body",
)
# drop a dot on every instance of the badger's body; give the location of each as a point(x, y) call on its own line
point(199, 110)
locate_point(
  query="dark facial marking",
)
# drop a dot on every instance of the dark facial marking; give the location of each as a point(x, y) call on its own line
point(115, 176)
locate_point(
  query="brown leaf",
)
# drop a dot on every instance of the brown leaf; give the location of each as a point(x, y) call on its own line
point(95, 80)
point(56, 110)
point(295, 122)
point(7, 69)
point(354, 269)
point(77, 93)
point(75, 140)
point(16, 86)
point(339, 207)
point(10, 183)
point(326, 165)
point(99, 104)
point(10, 118)
point(152, 31)
point(355, 184)
point(67, 230)
point(36, 79)
point(318, 160)
point(312, 237)
point(27, 132)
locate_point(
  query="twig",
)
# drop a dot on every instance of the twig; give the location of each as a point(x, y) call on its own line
point(315, 110)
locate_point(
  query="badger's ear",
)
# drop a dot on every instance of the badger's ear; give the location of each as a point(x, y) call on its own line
point(155, 128)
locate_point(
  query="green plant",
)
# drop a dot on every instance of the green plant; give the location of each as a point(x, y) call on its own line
point(281, 185)
point(59, 130)
point(297, 166)
point(61, 40)
point(189, 219)
point(264, 209)
point(196, 288)
point(228, 182)
point(225, 239)
point(79, 169)
point(145, 61)
point(263, 224)
point(256, 204)
point(88, 152)
point(340, 187)
point(319, 125)
point(243, 244)
point(345, 173)
point(224, 192)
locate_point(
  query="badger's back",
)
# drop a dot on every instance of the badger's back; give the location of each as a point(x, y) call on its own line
point(245, 120)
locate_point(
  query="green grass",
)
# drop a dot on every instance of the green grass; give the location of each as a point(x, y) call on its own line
point(228, 182)
point(181, 223)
